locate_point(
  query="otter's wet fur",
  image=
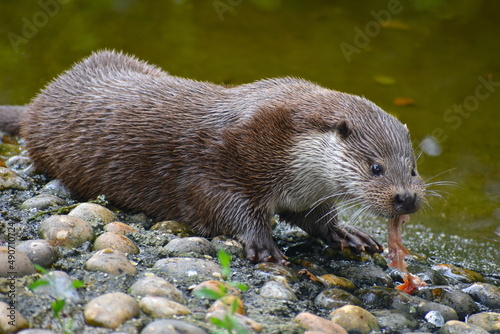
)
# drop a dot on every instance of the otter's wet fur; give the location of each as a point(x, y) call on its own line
point(223, 159)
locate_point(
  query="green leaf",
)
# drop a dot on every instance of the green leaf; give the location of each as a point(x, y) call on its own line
point(77, 284)
point(209, 294)
point(36, 284)
point(40, 269)
point(57, 306)
point(240, 286)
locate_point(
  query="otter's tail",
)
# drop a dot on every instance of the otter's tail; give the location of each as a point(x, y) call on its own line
point(10, 118)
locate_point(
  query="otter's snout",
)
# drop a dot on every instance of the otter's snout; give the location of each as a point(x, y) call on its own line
point(405, 202)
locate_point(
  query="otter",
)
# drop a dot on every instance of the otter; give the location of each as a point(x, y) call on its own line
point(223, 159)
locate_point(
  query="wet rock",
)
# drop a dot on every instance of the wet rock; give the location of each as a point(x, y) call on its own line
point(14, 262)
point(485, 293)
point(278, 288)
point(424, 307)
point(173, 227)
point(118, 227)
point(20, 164)
point(274, 269)
point(189, 247)
point(66, 231)
point(156, 286)
point(435, 318)
point(242, 320)
point(334, 281)
point(228, 304)
point(110, 261)
point(36, 331)
point(11, 320)
point(394, 321)
point(115, 241)
point(41, 202)
point(217, 287)
point(57, 188)
point(10, 180)
point(229, 245)
point(489, 321)
point(159, 307)
point(462, 303)
point(312, 322)
point(171, 327)
point(110, 310)
point(93, 214)
point(39, 251)
point(335, 298)
point(367, 274)
point(184, 269)
point(458, 275)
point(355, 319)
point(60, 286)
point(458, 327)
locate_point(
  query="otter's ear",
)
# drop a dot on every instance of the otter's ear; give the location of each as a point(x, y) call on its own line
point(343, 128)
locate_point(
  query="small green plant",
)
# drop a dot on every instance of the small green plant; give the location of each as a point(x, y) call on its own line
point(229, 323)
point(58, 304)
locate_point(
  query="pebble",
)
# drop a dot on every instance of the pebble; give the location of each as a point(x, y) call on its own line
point(41, 202)
point(242, 320)
point(458, 327)
point(110, 261)
point(218, 287)
point(21, 164)
point(485, 293)
point(184, 269)
point(159, 307)
point(394, 321)
point(489, 321)
point(66, 231)
point(156, 286)
point(334, 281)
point(435, 318)
point(173, 227)
point(189, 247)
point(93, 213)
point(60, 286)
point(312, 322)
point(274, 269)
point(118, 227)
point(11, 180)
point(14, 262)
point(57, 188)
point(11, 321)
point(366, 274)
point(110, 310)
point(278, 288)
point(115, 241)
point(171, 327)
point(227, 304)
point(355, 319)
point(229, 245)
point(39, 251)
point(36, 331)
point(462, 303)
point(458, 275)
point(335, 298)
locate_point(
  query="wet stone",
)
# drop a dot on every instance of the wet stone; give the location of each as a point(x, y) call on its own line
point(229, 245)
point(41, 202)
point(485, 293)
point(159, 307)
point(458, 275)
point(171, 327)
point(335, 298)
point(110, 310)
point(189, 247)
point(20, 164)
point(458, 327)
point(66, 231)
point(278, 289)
point(110, 261)
point(217, 286)
point(184, 269)
point(11, 321)
point(60, 286)
point(489, 321)
point(39, 251)
point(394, 321)
point(118, 227)
point(355, 319)
point(312, 322)
point(227, 303)
point(93, 213)
point(36, 331)
point(435, 318)
point(14, 262)
point(57, 188)
point(115, 241)
point(156, 286)
point(366, 274)
point(242, 320)
point(462, 303)
point(338, 282)
point(274, 269)
point(10, 180)
point(173, 227)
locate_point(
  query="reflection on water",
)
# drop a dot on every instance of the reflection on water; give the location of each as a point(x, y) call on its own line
point(432, 63)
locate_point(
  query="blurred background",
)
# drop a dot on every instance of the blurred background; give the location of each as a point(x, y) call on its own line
point(435, 64)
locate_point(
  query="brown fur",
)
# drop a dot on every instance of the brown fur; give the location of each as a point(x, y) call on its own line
point(223, 159)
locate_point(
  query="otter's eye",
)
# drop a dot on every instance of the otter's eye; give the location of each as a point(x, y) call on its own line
point(413, 173)
point(376, 170)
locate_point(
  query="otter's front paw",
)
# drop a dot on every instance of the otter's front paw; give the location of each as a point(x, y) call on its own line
point(259, 253)
point(354, 238)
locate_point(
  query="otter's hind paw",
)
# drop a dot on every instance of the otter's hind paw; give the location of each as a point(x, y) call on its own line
point(353, 238)
point(257, 254)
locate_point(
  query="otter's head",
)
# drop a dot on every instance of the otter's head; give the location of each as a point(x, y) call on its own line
point(361, 154)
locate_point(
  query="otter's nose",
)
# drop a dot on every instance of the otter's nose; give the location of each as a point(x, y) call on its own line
point(406, 202)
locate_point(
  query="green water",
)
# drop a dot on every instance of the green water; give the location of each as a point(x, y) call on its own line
point(444, 55)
